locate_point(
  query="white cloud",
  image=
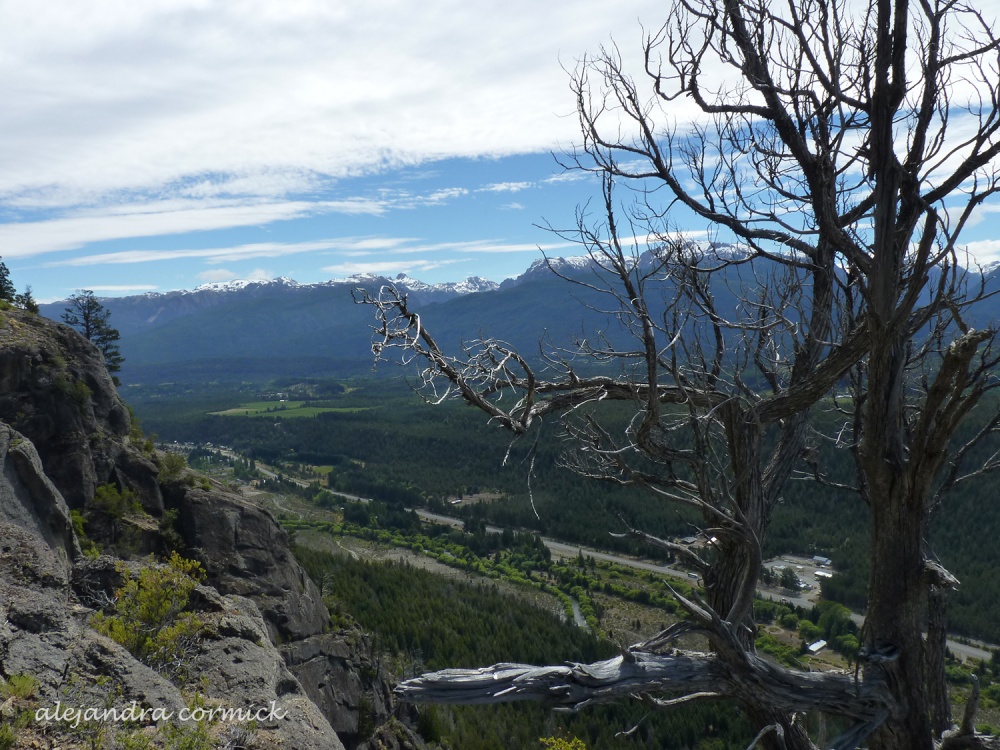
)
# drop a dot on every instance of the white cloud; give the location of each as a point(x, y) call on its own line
point(440, 196)
point(267, 98)
point(982, 212)
point(500, 247)
point(209, 254)
point(507, 187)
point(984, 251)
point(513, 206)
point(347, 247)
point(82, 227)
point(570, 176)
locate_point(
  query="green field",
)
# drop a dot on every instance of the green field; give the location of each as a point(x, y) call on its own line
point(283, 410)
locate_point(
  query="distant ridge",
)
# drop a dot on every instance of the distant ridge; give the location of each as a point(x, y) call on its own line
point(256, 329)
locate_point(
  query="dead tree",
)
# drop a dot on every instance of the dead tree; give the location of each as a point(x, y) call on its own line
point(841, 150)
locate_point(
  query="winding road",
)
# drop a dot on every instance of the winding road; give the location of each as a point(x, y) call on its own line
point(978, 650)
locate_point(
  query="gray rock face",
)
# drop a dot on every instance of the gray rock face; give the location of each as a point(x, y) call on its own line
point(246, 553)
point(260, 679)
point(341, 675)
point(55, 390)
point(30, 501)
point(69, 434)
point(44, 632)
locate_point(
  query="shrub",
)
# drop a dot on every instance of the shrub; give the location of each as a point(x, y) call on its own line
point(117, 503)
point(789, 621)
point(88, 545)
point(171, 466)
point(809, 631)
point(77, 390)
point(149, 618)
point(558, 743)
point(172, 539)
point(23, 686)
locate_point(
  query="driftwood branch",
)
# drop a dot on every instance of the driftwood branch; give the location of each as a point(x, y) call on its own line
point(679, 673)
point(779, 732)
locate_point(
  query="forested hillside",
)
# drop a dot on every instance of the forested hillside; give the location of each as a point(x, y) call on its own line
point(431, 622)
point(378, 439)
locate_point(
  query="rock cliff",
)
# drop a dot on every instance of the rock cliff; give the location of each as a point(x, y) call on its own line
point(67, 444)
point(55, 390)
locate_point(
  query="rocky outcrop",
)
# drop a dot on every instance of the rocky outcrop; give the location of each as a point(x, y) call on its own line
point(30, 501)
point(45, 610)
point(246, 553)
point(341, 674)
point(44, 632)
point(64, 432)
point(55, 390)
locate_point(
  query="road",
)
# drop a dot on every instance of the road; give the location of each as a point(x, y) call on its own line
point(561, 549)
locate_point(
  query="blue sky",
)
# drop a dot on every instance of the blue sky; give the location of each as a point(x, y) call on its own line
point(158, 145)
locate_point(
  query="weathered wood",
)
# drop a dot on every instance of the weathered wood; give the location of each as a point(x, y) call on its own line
point(574, 686)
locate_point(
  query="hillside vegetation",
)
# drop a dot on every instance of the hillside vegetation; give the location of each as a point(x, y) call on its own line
point(377, 439)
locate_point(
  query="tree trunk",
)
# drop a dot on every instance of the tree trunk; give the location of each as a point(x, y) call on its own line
point(937, 642)
point(893, 627)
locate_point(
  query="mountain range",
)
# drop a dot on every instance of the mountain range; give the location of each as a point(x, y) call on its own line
point(256, 330)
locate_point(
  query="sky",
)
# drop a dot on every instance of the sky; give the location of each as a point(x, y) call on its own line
point(162, 144)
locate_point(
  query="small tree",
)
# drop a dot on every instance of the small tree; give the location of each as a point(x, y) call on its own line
point(149, 618)
point(790, 580)
point(26, 300)
point(87, 315)
point(7, 291)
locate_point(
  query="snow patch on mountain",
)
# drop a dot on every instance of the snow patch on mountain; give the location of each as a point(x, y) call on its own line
point(241, 284)
point(573, 263)
point(469, 286)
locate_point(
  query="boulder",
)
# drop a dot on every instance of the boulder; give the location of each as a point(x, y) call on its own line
point(246, 552)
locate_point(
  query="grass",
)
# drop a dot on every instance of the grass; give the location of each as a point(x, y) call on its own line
point(284, 410)
point(24, 686)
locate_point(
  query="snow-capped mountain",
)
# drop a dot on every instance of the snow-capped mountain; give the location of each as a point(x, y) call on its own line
point(240, 284)
point(403, 281)
point(260, 329)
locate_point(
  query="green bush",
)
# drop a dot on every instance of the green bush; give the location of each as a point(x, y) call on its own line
point(77, 390)
point(88, 545)
point(956, 675)
point(117, 503)
point(809, 631)
point(768, 644)
point(23, 686)
point(171, 537)
point(789, 621)
point(149, 618)
point(171, 466)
